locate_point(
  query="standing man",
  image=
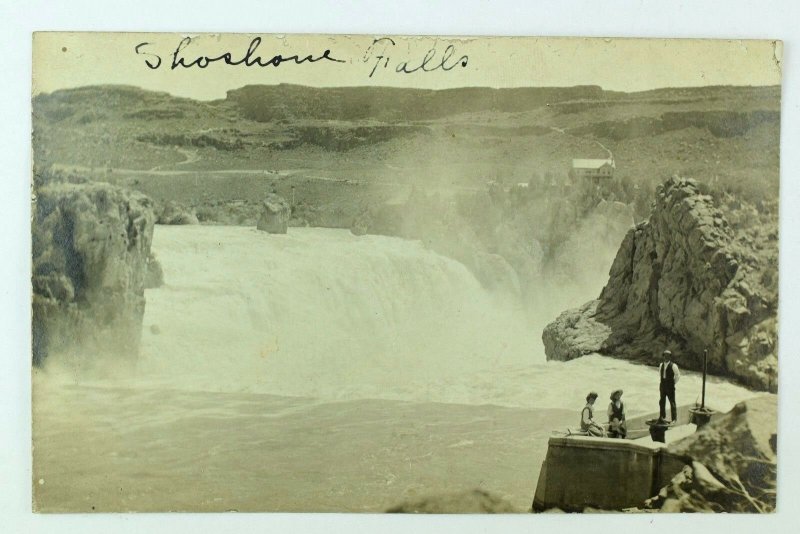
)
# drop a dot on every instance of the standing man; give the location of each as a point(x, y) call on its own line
point(669, 374)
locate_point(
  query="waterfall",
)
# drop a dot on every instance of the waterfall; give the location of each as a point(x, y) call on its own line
point(319, 312)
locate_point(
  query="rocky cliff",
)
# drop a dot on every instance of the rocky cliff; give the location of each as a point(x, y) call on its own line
point(682, 280)
point(719, 123)
point(91, 244)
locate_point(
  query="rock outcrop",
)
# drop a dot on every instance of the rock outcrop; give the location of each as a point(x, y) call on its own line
point(731, 464)
point(680, 280)
point(174, 213)
point(90, 253)
point(155, 274)
point(274, 215)
point(720, 123)
point(467, 502)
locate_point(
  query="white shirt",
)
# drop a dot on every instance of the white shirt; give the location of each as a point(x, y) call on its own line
point(675, 370)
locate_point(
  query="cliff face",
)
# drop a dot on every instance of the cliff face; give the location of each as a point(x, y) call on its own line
point(718, 123)
point(683, 281)
point(91, 244)
point(267, 103)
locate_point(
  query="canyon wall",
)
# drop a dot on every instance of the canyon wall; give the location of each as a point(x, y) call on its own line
point(683, 280)
point(91, 244)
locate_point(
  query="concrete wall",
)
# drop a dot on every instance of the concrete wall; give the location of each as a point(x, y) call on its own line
point(601, 473)
point(610, 474)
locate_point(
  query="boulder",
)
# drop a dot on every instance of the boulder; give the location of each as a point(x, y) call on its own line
point(90, 245)
point(680, 281)
point(174, 213)
point(275, 213)
point(575, 333)
point(155, 274)
point(731, 463)
point(467, 502)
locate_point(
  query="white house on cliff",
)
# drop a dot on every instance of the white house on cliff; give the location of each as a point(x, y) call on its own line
point(595, 169)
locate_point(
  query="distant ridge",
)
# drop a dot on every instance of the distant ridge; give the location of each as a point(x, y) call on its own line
point(286, 101)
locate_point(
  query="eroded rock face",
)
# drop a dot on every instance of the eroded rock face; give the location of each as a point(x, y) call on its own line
point(575, 333)
point(274, 215)
point(731, 464)
point(90, 252)
point(679, 281)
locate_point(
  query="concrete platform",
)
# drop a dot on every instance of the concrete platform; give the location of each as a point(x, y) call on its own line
point(608, 473)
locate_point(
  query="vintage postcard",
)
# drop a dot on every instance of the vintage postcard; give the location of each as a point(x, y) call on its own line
point(330, 273)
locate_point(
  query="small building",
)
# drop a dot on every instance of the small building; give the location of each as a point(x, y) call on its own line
point(595, 169)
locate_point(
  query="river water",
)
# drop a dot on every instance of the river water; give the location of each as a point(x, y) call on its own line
point(316, 371)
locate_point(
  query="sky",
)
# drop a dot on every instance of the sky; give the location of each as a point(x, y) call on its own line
point(64, 60)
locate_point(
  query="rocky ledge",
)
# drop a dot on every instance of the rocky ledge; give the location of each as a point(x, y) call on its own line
point(681, 280)
point(91, 244)
point(731, 464)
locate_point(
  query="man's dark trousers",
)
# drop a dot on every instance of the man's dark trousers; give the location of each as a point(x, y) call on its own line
point(667, 392)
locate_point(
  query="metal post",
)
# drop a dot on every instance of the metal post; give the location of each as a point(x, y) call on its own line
point(705, 365)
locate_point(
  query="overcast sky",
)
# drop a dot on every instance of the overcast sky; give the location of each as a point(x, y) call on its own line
point(63, 60)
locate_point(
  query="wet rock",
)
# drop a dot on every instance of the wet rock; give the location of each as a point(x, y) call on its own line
point(468, 502)
point(275, 213)
point(679, 280)
point(575, 333)
point(90, 248)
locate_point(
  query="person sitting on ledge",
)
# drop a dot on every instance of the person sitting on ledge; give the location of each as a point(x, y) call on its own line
point(617, 428)
point(588, 423)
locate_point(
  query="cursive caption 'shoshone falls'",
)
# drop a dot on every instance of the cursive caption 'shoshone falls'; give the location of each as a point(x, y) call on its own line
point(377, 58)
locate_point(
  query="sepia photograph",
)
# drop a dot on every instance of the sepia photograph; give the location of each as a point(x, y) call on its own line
point(396, 274)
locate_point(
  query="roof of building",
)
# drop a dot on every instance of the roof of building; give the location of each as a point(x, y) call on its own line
point(591, 163)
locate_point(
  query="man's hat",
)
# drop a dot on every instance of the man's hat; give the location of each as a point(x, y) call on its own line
point(667, 353)
point(617, 393)
point(591, 395)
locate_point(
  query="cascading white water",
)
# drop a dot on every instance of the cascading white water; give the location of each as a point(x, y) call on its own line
point(326, 314)
point(368, 321)
point(319, 312)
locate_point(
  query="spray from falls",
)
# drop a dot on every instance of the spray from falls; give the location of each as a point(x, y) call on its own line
point(319, 312)
point(325, 314)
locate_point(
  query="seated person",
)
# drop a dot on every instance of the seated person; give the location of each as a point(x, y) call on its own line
point(617, 428)
point(588, 423)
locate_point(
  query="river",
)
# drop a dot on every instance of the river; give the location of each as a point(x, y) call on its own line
point(316, 371)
